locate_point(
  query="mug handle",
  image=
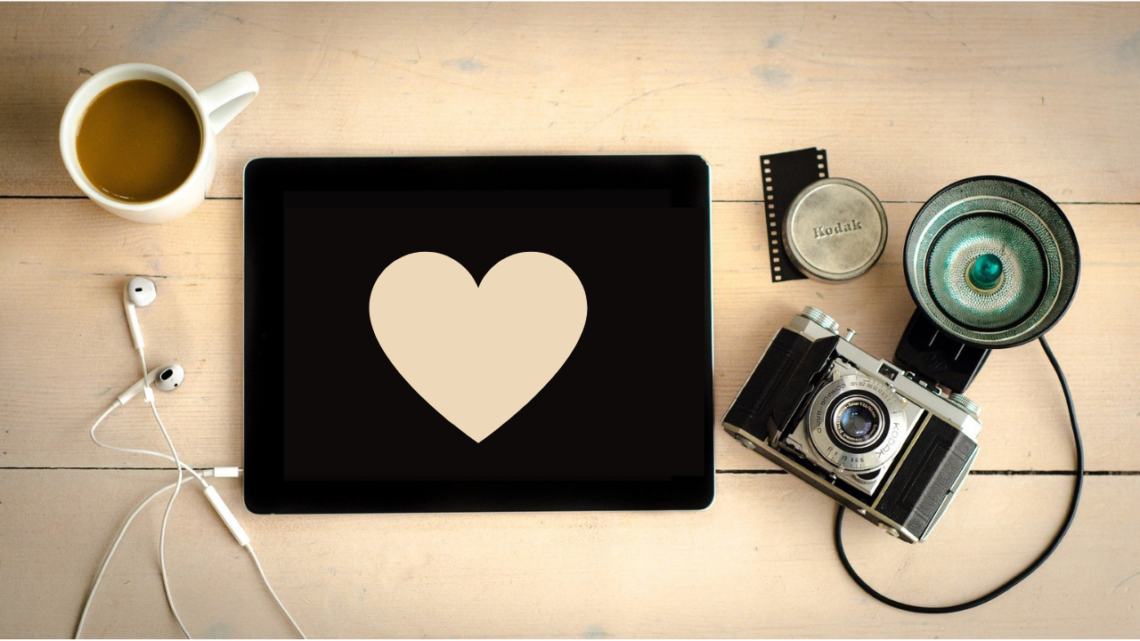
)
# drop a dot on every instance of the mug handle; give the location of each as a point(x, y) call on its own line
point(227, 97)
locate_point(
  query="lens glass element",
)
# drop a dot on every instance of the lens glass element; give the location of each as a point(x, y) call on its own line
point(857, 421)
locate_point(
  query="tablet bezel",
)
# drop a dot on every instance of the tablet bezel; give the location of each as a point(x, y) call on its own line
point(267, 180)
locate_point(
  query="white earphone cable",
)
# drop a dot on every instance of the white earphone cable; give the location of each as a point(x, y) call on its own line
point(122, 533)
point(148, 396)
point(200, 477)
point(114, 547)
point(166, 517)
point(272, 592)
point(142, 359)
point(211, 494)
point(131, 450)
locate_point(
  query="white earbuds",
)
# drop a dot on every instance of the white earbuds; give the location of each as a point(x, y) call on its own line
point(164, 378)
point(139, 292)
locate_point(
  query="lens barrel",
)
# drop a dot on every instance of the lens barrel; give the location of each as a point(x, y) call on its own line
point(858, 420)
point(856, 423)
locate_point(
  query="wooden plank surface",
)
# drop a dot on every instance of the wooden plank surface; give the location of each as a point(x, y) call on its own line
point(906, 98)
point(758, 563)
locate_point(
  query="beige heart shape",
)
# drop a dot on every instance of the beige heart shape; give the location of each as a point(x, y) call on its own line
point(478, 353)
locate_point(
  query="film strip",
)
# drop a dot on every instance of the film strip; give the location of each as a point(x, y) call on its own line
point(785, 176)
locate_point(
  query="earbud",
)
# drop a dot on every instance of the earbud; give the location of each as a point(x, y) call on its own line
point(164, 378)
point(139, 292)
point(169, 377)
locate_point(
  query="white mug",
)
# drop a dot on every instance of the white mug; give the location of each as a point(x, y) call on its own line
point(214, 106)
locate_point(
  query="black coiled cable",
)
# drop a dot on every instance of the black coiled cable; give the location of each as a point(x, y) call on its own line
point(1007, 586)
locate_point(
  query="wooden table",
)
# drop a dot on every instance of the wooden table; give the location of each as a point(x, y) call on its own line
point(905, 98)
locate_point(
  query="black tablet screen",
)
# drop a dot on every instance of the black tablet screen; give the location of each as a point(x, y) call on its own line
point(628, 403)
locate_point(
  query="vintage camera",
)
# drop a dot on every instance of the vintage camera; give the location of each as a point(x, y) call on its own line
point(880, 441)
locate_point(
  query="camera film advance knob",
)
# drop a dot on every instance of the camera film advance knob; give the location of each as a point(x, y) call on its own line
point(964, 404)
point(822, 319)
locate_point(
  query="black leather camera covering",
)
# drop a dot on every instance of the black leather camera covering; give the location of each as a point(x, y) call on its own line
point(785, 377)
point(926, 476)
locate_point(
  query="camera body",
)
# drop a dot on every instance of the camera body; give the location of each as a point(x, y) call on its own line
point(880, 441)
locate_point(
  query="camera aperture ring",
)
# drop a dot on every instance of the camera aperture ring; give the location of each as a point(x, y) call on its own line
point(850, 453)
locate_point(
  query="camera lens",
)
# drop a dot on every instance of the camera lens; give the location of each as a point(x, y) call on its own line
point(858, 421)
point(856, 424)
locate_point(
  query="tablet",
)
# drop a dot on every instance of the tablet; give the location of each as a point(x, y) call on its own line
point(477, 334)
